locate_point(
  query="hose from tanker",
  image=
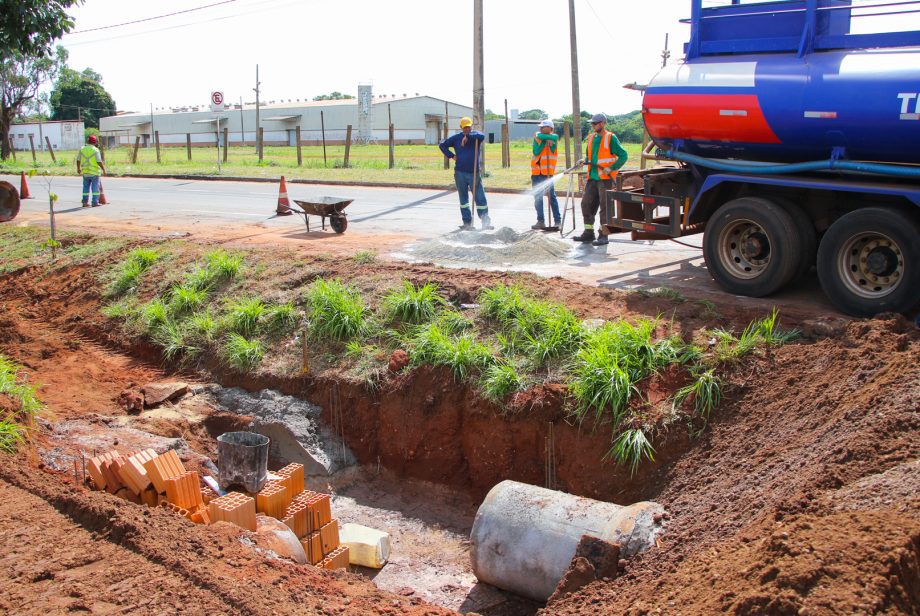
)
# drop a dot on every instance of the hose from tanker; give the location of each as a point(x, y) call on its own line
point(737, 166)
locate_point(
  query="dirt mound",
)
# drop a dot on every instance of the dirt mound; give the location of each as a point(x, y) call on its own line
point(756, 505)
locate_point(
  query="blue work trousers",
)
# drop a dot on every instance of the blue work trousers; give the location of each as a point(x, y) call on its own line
point(91, 186)
point(549, 190)
point(464, 183)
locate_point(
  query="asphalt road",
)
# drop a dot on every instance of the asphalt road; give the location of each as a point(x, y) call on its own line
point(386, 219)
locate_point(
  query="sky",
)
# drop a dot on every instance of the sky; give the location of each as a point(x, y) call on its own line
point(305, 48)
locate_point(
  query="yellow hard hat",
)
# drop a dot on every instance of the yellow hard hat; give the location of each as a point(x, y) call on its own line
point(464, 122)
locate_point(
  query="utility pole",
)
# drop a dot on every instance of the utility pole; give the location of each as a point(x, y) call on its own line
point(242, 128)
point(478, 88)
point(151, 122)
point(576, 103)
point(257, 106)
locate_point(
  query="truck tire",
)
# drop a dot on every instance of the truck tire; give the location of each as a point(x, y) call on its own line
point(869, 262)
point(807, 234)
point(752, 246)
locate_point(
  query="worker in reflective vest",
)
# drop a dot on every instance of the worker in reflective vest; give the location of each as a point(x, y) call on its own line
point(604, 156)
point(542, 170)
point(90, 165)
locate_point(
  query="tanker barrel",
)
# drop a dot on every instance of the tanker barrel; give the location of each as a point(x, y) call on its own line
point(524, 536)
point(9, 202)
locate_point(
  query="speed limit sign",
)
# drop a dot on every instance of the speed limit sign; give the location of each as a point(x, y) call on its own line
point(217, 101)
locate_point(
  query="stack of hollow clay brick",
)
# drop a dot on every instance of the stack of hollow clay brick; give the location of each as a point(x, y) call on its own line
point(309, 516)
point(235, 508)
point(151, 479)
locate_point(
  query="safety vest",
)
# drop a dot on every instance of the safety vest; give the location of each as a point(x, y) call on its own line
point(605, 158)
point(87, 157)
point(544, 163)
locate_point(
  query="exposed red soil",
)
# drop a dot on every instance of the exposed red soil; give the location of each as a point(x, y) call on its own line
point(781, 506)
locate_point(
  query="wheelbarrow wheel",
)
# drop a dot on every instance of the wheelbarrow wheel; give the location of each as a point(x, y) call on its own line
point(339, 223)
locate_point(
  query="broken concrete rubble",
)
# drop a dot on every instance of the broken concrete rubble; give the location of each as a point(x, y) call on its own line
point(294, 426)
point(156, 394)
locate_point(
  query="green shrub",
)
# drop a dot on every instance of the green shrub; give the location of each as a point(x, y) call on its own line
point(242, 354)
point(131, 269)
point(706, 391)
point(502, 303)
point(337, 311)
point(365, 256)
point(461, 353)
point(281, 318)
point(185, 299)
point(412, 304)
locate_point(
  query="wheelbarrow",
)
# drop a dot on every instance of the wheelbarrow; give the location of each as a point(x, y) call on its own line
point(327, 207)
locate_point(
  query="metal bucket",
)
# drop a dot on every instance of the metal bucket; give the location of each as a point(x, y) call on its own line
point(9, 201)
point(242, 460)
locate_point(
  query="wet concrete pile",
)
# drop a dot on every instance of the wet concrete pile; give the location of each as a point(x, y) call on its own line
point(505, 248)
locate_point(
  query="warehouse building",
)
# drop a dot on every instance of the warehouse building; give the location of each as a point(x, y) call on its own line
point(63, 135)
point(416, 120)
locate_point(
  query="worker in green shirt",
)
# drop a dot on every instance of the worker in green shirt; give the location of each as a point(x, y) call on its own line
point(542, 170)
point(604, 156)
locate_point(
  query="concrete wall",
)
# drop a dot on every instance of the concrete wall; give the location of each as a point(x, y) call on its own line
point(413, 120)
point(67, 135)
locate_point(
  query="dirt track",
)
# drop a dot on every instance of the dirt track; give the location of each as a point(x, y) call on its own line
point(801, 497)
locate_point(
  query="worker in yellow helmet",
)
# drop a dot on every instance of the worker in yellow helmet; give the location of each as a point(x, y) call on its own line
point(467, 146)
point(90, 165)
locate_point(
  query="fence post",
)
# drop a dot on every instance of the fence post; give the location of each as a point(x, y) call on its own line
point(322, 127)
point(188, 145)
point(567, 133)
point(446, 135)
point(32, 146)
point(299, 155)
point(156, 138)
point(643, 161)
point(390, 122)
point(260, 144)
point(137, 144)
point(347, 144)
point(226, 141)
point(50, 149)
point(506, 147)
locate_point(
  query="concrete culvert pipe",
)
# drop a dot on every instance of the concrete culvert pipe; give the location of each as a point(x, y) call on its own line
point(524, 537)
point(9, 202)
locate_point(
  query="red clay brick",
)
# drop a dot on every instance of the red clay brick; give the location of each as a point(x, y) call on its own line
point(293, 474)
point(132, 472)
point(273, 499)
point(313, 547)
point(184, 490)
point(338, 558)
point(329, 535)
point(163, 467)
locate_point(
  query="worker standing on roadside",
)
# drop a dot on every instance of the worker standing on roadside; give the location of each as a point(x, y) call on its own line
point(604, 156)
point(89, 164)
point(467, 172)
point(542, 170)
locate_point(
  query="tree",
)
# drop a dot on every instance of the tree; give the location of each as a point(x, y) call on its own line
point(533, 114)
point(81, 96)
point(29, 27)
point(20, 77)
point(334, 96)
point(491, 115)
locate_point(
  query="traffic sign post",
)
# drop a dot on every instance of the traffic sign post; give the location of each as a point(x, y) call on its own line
point(217, 105)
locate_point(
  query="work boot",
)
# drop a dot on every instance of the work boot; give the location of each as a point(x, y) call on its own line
point(86, 205)
point(586, 236)
point(466, 226)
point(539, 226)
point(487, 223)
point(601, 240)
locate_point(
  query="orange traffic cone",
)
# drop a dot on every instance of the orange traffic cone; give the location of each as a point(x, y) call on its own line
point(284, 206)
point(102, 199)
point(24, 188)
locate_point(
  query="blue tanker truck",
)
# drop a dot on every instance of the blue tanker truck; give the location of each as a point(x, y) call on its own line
point(792, 140)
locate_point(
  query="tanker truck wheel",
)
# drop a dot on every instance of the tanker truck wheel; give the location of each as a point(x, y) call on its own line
point(752, 247)
point(869, 262)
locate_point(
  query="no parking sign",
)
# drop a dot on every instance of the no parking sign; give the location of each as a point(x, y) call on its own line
point(217, 101)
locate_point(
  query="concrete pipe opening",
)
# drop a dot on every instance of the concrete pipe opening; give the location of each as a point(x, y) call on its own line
point(9, 202)
point(524, 536)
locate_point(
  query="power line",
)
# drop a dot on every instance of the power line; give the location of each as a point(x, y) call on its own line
point(600, 21)
point(137, 21)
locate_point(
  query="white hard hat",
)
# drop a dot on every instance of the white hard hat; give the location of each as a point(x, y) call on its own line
point(547, 122)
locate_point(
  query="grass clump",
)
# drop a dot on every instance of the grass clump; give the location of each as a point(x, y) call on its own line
point(155, 314)
point(204, 326)
point(131, 269)
point(729, 348)
point(630, 447)
point(705, 391)
point(185, 299)
point(173, 341)
point(612, 361)
point(413, 304)
point(219, 267)
point(242, 354)
point(502, 303)
point(15, 422)
point(461, 353)
point(281, 318)
point(499, 380)
point(364, 257)
point(337, 311)
point(245, 315)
